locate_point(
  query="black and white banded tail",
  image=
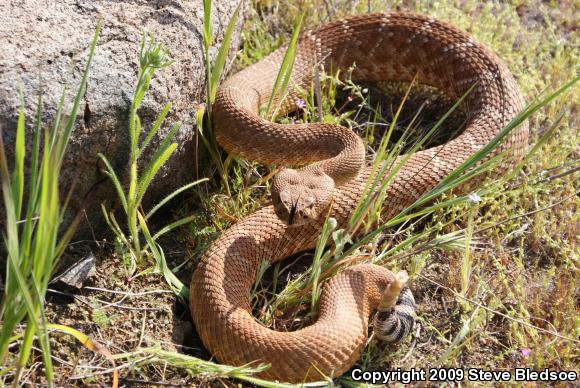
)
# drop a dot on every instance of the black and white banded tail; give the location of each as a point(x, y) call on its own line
point(395, 323)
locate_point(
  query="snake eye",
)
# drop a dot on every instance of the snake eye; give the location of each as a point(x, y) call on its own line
point(284, 197)
point(309, 202)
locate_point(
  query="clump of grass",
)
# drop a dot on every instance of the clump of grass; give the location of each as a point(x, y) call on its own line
point(257, 41)
point(236, 178)
point(285, 73)
point(203, 369)
point(152, 57)
point(35, 243)
point(213, 77)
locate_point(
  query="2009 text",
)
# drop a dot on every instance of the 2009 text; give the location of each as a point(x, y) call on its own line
point(461, 374)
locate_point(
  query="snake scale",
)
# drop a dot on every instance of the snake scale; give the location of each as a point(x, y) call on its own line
point(329, 179)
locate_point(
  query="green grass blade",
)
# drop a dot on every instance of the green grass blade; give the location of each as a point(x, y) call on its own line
point(142, 86)
point(155, 128)
point(44, 242)
point(285, 73)
point(80, 93)
point(152, 170)
point(173, 195)
point(539, 144)
point(176, 285)
point(327, 229)
point(58, 118)
point(207, 30)
point(43, 339)
point(381, 158)
point(33, 187)
point(222, 55)
point(157, 160)
point(114, 226)
point(8, 316)
point(110, 172)
point(175, 224)
point(209, 141)
point(29, 303)
point(19, 152)
point(166, 142)
point(132, 194)
point(196, 366)
point(207, 42)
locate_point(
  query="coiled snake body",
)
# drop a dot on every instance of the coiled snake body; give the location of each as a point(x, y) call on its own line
point(397, 46)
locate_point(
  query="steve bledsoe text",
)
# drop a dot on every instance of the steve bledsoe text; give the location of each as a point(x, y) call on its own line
point(460, 374)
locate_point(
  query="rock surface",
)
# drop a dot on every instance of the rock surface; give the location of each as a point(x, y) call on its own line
point(52, 38)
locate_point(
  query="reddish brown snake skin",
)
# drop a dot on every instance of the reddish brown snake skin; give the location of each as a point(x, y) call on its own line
point(397, 46)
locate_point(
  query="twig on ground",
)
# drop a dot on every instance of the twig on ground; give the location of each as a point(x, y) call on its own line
point(110, 370)
point(128, 293)
point(57, 359)
point(413, 343)
point(149, 382)
point(142, 335)
point(106, 304)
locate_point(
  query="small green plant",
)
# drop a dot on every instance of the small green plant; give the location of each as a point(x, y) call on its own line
point(34, 243)
point(99, 316)
point(152, 57)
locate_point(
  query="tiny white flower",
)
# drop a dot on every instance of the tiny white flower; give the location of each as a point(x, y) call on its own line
point(474, 197)
point(365, 91)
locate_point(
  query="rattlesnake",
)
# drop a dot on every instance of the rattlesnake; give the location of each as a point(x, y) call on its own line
point(396, 46)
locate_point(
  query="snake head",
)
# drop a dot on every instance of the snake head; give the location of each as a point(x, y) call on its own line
point(301, 196)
